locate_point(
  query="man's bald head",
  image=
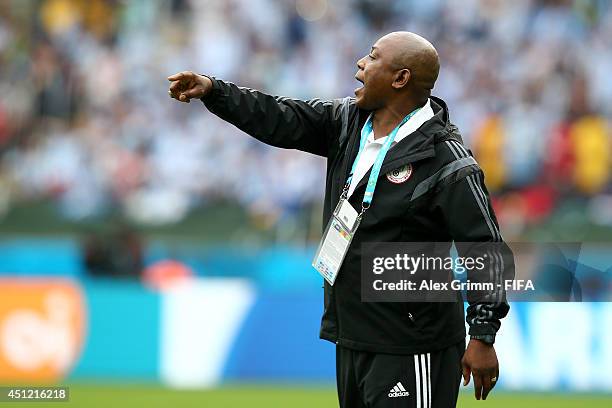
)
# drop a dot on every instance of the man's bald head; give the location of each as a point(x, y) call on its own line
point(413, 52)
point(400, 64)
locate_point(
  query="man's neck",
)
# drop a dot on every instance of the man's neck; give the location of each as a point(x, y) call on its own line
point(387, 118)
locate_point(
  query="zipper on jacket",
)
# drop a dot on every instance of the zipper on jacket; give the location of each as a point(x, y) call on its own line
point(411, 317)
point(350, 145)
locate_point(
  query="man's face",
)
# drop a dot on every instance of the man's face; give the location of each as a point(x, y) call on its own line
point(375, 72)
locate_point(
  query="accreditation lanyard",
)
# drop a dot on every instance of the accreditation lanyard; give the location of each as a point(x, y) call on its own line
point(345, 219)
point(373, 179)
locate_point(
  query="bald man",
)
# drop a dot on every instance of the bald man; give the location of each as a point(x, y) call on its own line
point(397, 171)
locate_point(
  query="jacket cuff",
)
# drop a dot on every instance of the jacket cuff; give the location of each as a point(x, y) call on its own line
point(217, 89)
point(483, 329)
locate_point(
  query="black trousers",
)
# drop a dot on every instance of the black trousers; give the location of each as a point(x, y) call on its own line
point(373, 380)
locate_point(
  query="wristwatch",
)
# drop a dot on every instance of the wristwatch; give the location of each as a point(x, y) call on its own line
point(485, 338)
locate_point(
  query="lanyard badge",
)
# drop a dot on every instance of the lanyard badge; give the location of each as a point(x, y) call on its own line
point(345, 219)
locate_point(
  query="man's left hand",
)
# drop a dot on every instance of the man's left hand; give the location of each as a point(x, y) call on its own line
point(480, 360)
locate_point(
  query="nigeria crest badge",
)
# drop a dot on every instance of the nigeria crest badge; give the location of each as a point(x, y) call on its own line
point(400, 174)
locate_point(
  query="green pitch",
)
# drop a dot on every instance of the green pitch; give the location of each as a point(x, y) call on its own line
point(99, 396)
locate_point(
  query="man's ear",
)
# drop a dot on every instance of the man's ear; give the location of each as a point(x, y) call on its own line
point(401, 78)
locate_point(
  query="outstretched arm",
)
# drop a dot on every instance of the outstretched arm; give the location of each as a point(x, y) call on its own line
point(282, 122)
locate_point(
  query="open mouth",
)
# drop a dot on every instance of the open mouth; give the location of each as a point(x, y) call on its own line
point(361, 87)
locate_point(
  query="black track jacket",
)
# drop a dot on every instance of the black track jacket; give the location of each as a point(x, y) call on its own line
point(451, 203)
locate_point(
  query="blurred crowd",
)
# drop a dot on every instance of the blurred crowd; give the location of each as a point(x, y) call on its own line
point(86, 121)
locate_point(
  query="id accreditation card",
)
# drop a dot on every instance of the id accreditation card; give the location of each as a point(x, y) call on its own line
point(336, 240)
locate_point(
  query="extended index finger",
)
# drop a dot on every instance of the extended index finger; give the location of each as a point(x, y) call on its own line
point(181, 76)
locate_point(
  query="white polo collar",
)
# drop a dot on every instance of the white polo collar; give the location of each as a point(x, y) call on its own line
point(422, 116)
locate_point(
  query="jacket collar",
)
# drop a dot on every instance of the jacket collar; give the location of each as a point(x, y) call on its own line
point(416, 146)
point(422, 139)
